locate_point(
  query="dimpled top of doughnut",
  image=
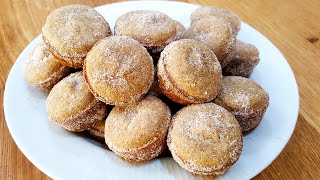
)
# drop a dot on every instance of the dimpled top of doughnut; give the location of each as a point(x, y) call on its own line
point(242, 95)
point(205, 138)
point(40, 65)
point(119, 70)
point(204, 12)
point(137, 125)
point(244, 50)
point(69, 98)
point(72, 30)
point(152, 29)
point(214, 32)
point(192, 68)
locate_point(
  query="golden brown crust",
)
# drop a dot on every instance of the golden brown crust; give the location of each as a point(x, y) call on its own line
point(97, 130)
point(249, 122)
point(189, 72)
point(71, 105)
point(205, 139)
point(42, 70)
point(85, 120)
point(245, 99)
point(243, 59)
point(70, 32)
point(137, 132)
point(143, 154)
point(214, 32)
point(229, 16)
point(119, 70)
point(179, 30)
point(171, 92)
point(190, 168)
point(152, 29)
point(73, 62)
point(54, 79)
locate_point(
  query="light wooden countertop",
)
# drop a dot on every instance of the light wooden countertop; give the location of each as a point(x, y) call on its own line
point(292, 25)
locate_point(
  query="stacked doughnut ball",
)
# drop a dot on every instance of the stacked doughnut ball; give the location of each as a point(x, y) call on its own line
point(123, 88)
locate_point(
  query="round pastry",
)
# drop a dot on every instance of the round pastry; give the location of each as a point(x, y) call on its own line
point(42, 70)
point(152, 29)
point(243, 59)
point(229, 16)
point(214, 32)
point(245, 99)
point(97, 130)
point(205, 139)
point(189, 72)
point(180, 29)
point(138, 132)
point(119, 70)
point(70, 32)
point(71, 105)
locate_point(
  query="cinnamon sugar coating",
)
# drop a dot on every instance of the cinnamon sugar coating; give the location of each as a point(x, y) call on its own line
point(42, 70)
point(245, 99)
point(179, 30)
point(137, 132)
point(153, 67)
point(243, 59)
point(152, 29)
point(189, 72)
point(97, 129)
point(119, 70)
point(214, 32)
point(70, 32)
point(229, 16)
point(71, 105)
point(205, 139)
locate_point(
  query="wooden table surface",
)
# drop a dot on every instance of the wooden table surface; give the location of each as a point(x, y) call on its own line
point(292, 25)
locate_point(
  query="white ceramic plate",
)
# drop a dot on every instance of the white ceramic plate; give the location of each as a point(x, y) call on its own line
point(64, 155)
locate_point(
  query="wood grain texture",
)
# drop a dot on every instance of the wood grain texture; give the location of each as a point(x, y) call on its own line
point(292, 25)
